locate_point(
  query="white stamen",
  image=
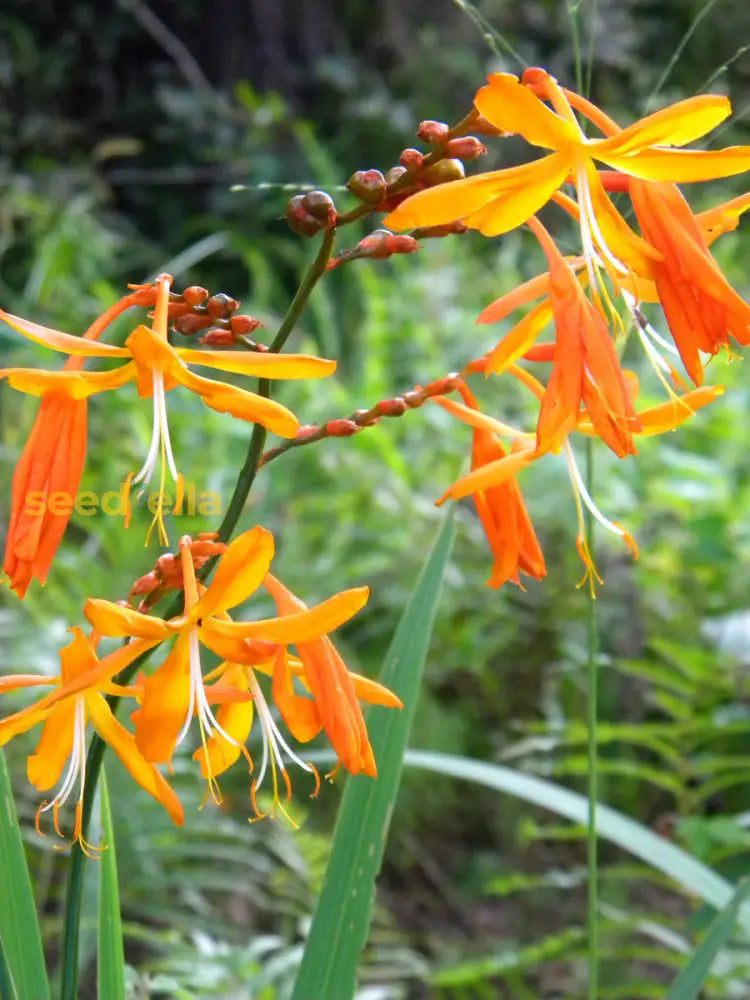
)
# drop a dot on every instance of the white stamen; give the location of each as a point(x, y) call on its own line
point(206, 717)
point(159, 435)
point(272, 737)
point(580, 487)
point(76, 763)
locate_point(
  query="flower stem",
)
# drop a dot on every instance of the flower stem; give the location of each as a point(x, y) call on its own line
point(592, 706)
point(95, 756)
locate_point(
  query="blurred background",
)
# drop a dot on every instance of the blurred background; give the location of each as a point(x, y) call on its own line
point(142, 137)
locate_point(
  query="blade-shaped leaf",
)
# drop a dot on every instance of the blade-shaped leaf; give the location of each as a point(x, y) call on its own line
point(19, 927)
point(611, 825)
point(342, 917)
point(688, 983)
point(110, 953)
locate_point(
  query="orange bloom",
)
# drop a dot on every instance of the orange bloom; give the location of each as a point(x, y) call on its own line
point(51, 461)
point(78, 699)
point(701, 307)
point(501, 508)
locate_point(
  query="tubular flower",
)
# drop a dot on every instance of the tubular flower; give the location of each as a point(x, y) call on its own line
point(156, 367)
point(52, 461)
point(701, 307)
point(500, 200)
point(175, 691)
point(501, 509)
point(78, 699)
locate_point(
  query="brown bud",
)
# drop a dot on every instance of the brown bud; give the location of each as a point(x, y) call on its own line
point(391, 407)
point(221, 306)
point(241, 325)
point(320, 205)
point(433, 132)
point(190, 323)
point(383, 243)
point(468, 147)
point(412, 159)
point(194, 295)
point(367, 185)
point(413, 399)
point(394, 174)
point(447, 229)
point(299, 219)
point(341, 428)
point(218, 338)
point(443, 171)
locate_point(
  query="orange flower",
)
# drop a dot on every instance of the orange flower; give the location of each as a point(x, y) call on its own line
point(78, 699)
point(701, 307)
point(501, 509)
point(52, 460)
point(156, 367)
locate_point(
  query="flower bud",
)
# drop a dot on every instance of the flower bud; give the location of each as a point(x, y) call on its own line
point(299, 219)
point(190, 323)
point(320, 206)
point(447, 229)
point(218, 337)
point(242, 325)
point(394, 174)
point(468, 147)
point(433, 132)
point(194, 295)
point(220, 306)
point(367, 185)
point(383, 243)
point(412, 159)
point(341, 428)
point(443, 171)
point(484, 127)
point(391, 407)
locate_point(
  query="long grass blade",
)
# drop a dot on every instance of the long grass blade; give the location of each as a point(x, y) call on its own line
point(19, 927)
point(342, 918)
point(110, 952)
point(688, 983)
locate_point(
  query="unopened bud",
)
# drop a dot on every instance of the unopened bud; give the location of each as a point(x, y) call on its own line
point(412, 159)
point(194, 295)
point(383, 243)
point(190, 323)
point(367, 185)
point(413, 399)
point(391, 407)
point(394, 174)
point(220, 306)
point(341, 428)
point(433, 132)
point(468, 147)
point(447, 229)
point(242, 325)
point(320, 205)
point(443, 171)
point(299, 219)
point(218, 338)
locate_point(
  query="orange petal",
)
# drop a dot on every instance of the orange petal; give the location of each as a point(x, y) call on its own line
point(124, 745)
point(682, 166)
point(265, 365)
point(74, 384)
point(517, 341)
point(166, 699)
point(675, 125)
point(59, 341)
point(300, 714)
point(116, 621)
point(55, 746)
point(492, 474)
point(236, 719)
point(239, 574)
point(511, 106)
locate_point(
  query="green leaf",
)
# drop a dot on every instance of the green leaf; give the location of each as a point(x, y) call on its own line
point(19, 927)
point(110, 952)
point(342, 917)
point(688, 983)
point(611, 825)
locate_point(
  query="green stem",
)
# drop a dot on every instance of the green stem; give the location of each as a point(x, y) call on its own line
point(592, 685)
point(95, 756)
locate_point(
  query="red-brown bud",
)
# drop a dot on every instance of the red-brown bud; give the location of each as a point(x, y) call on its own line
point(221, 306)
point(190, 323)
point(367, 185)
point(412, 159)
point(391, 407)
point(341, 428)
point(383, 243)
point(394, 174)
point(433, 132)
point(218, 338)
point(413, 399)
point(443, 172)
point(468, 147)
point(242, 325)
point(300, 220)
point(447, 229)
point(320, 205)
point(194, 295)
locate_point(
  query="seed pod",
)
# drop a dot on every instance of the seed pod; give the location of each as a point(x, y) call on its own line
point(367, 185)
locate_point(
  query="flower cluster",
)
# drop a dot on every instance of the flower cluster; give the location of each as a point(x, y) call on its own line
point(668, 262)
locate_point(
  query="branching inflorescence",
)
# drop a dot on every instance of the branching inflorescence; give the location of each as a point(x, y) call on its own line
point(593, 300)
